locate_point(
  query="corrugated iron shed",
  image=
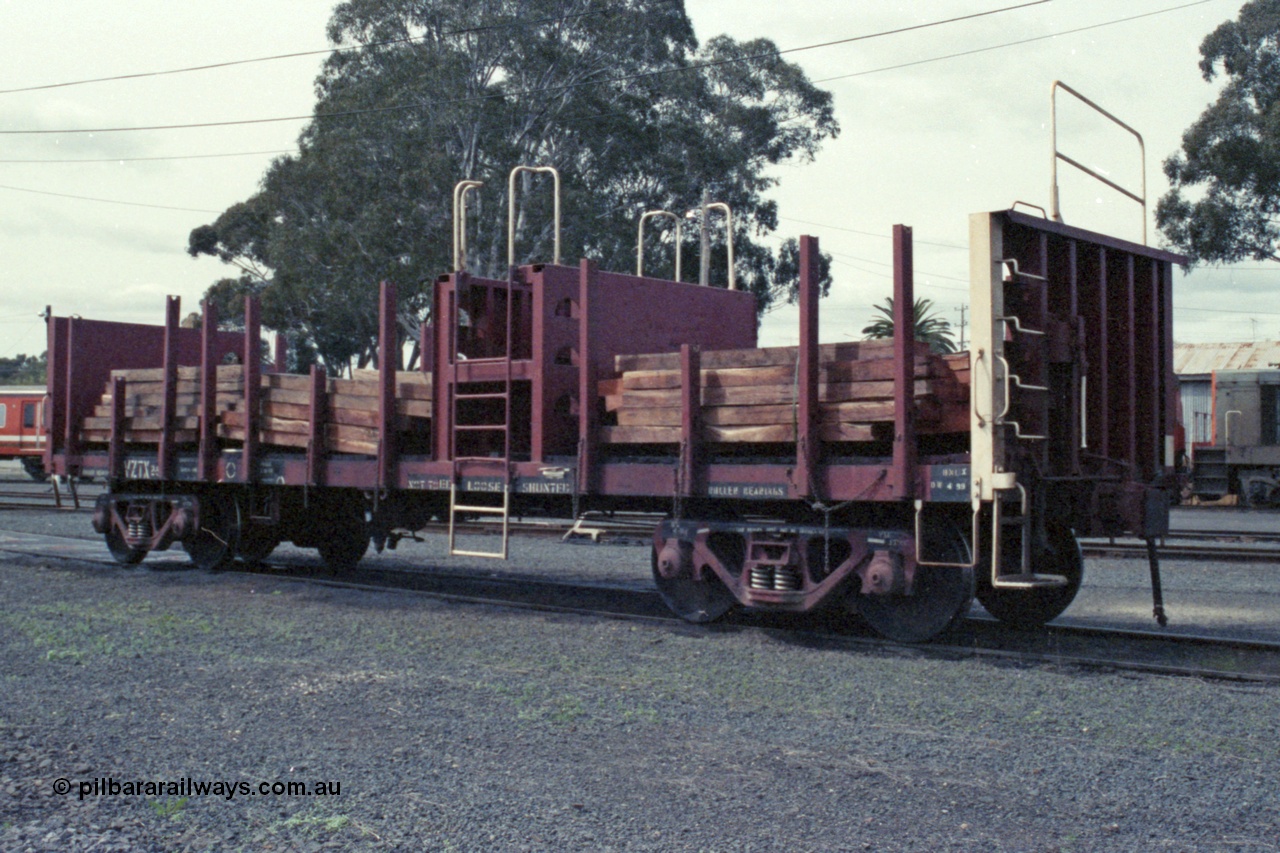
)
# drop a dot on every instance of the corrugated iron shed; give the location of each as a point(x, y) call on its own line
point(1206, 358)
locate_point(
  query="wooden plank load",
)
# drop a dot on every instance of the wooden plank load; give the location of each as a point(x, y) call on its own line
point(750, 395)
point(284, 417)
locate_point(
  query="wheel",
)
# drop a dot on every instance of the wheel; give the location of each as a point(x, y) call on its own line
point(939, 596)
point(256, 543)
point(124, 555)
point(345, 536)
point(1031, 608)
point(696, 601)
point(214, 545)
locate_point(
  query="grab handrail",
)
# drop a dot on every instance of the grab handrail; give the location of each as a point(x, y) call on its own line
point(460, 191)
point(648, 214)
point(1058, 155)
point(511, 210)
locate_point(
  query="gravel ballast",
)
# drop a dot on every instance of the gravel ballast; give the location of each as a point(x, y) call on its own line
point(464, 727)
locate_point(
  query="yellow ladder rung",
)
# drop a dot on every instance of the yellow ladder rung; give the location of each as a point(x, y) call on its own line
point(497, 555)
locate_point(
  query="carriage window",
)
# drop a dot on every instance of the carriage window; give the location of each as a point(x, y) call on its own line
point(4, 416)
point(29, 415)
point(1270, 415)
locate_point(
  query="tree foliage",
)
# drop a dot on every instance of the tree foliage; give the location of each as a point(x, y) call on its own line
point(618, 96)
point(24, 369)
point(1232, 151)
point(930, 328)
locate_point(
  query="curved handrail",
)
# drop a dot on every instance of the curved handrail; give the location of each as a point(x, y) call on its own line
point(728, 227)
point(648, 214)
point(511, 211)
point(1057, 155)
point(460, 191)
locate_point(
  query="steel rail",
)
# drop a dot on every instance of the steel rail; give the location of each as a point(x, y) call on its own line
point(1148, 652)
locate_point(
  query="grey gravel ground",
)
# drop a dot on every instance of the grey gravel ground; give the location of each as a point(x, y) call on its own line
point(462, 727)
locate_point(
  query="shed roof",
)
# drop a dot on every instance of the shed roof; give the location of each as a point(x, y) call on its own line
point(1206, 358)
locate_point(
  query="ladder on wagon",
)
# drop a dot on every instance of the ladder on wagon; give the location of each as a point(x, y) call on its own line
point(480, 403)
point(474, 422)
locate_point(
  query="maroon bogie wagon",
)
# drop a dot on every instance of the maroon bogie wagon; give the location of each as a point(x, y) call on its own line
point(870, 477)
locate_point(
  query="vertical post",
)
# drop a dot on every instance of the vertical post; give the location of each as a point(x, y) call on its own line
point(281, 356)
point(587, 385)
point(53, 384)
point(704, 263)
point(1080, 369)
point(444, 369)
point(904, 355)
point(169, 400)
point(319, 416)
point(115, 448)
point(206, 461)
point(1103, 335)
point(543, 352)
point(252, 389)
point(690, 415)
point(1130, 377)
point(426, 347)
point(69, 445)
point(1168, 382)
point(387, 363)
point(807, 433)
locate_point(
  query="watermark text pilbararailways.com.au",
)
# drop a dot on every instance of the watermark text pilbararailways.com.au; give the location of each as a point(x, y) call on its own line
point(187, 787)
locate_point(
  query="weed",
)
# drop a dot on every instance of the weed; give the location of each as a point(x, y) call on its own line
point(172, 809)
point(318, 822)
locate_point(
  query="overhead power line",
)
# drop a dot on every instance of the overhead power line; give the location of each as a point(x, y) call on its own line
point(1012, 43)
point(869, 233)
point(540, 90)
point(298, 54)
point(155, 159)
point(107, 200)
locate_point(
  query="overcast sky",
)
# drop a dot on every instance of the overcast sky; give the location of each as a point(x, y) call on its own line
point(923, 144)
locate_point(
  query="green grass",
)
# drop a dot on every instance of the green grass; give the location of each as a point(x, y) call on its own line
point(170, 809)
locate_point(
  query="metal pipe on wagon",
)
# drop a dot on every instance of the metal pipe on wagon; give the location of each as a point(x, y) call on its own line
point(640, 239)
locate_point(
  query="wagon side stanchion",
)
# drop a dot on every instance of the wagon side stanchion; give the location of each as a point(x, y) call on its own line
point(115, 446)
point(588, 417)
point(690, 421)
point(169, 396)
point(70, 441)
point(252, 390)
point(207, 454)
point(808, 451)
point(387, 352)
point(904, 354)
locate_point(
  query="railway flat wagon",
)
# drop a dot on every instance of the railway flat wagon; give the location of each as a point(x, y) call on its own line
point(874, 478)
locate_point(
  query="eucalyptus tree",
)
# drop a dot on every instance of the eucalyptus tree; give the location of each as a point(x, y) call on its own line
point(1224, 205)
point(619, 96)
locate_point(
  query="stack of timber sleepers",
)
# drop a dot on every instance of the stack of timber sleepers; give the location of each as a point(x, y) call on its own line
point(751, 395)
point(284, 415)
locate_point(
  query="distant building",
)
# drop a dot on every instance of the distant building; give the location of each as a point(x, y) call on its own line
point(1195, 365)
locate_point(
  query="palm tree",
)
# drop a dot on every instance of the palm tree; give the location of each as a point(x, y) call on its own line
point(930, 329)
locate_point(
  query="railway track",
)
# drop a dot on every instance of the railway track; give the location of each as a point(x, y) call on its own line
point(41, 496)
point(637, 528)
point(1152, 652)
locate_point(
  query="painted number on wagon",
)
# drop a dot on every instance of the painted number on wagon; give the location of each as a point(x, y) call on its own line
point(141, 469)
